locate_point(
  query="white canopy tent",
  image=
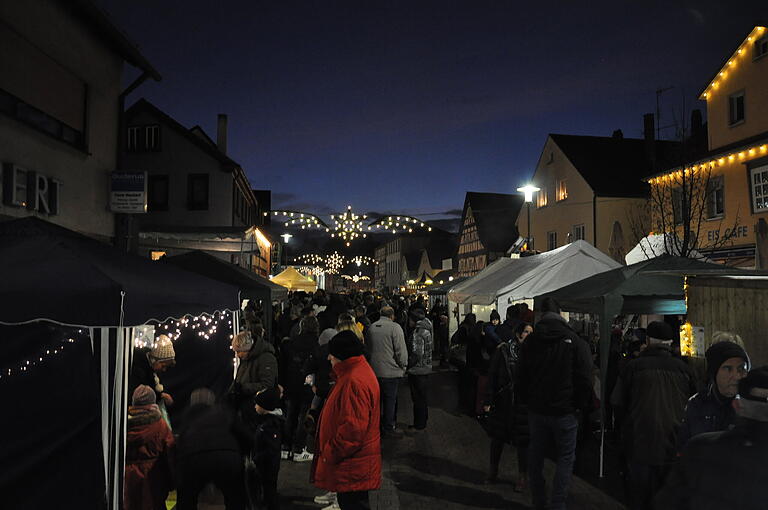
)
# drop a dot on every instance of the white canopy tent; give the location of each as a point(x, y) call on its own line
point(654, 245)
point(507, 281)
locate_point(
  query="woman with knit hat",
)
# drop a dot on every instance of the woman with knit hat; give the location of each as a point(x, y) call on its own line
point(148, 364)
point(149, 453)
point(257, 371)
point(711, 410)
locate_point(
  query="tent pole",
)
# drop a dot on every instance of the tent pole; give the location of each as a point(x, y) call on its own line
point(605, 347)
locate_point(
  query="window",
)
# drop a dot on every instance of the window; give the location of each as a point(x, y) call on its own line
point(152, 140)
point(197, 192)
point(157, 193)
point(562, 190)
point(760, 48)
point(759, 179)
point(736, 108)
point(551, 158)
point(578, 233)
point(551, 240)
point(715, 197)
point(678, 212)
point(134, 138)
point(157, 255)
point(541, 198)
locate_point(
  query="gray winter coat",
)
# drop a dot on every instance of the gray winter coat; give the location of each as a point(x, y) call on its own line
point(420, 348)
point(389, 354)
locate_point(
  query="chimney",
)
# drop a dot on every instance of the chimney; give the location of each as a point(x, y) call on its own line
point(618, 135)
point(649, 134)
point(221, 133)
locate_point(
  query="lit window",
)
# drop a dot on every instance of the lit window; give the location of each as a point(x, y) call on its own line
point(551, 240)
point(157, 255)
point(715, 197)
point(759, 179)
point(736, 108)
point(562, 190)
point(578, 233)
point(541, 198)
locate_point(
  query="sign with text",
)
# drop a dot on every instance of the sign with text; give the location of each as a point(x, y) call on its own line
point(128, 192)
point(31, 190)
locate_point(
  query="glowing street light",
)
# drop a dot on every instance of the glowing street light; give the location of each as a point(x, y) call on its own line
point(528, 190)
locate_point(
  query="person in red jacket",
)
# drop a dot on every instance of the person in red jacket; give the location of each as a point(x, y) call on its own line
point(148, 454)
point(348, 447)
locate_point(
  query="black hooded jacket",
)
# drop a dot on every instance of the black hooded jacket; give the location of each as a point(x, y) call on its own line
point(554, 376)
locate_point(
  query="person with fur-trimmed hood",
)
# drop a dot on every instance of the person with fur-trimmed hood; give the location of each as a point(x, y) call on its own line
point(149, 454)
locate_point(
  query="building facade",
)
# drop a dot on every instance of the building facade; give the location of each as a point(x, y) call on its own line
point(487, 230)
point(59, 116)
point(729, 183)
point(591, 188)
point(198, 197)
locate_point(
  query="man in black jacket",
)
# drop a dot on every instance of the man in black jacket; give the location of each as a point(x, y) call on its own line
point(720, 470)
point(650, 398)
point(555, 381)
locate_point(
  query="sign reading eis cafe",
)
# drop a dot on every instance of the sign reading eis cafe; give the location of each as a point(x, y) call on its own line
point(128, 192)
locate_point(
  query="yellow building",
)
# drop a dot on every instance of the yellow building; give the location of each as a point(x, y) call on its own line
point(730, 181)
point(591, 187)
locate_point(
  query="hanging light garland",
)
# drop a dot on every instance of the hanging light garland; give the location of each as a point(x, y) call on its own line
point(348, 226)
point(70, 336)
point(362, 260)
point(310, 259)
point(204, 326)
point(355, 278)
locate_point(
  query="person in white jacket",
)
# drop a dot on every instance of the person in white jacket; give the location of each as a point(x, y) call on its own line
point(389, 360)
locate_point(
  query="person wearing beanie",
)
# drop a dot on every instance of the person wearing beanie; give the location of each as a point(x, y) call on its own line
point(149, 454)
point(257, 370)
point(268, 439)
point(649, 401)
point(148, 364)
point(348, 445)
point(711, 410)
point(726, 469)
point(420, 342)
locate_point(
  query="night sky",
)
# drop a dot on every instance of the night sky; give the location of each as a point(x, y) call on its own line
point(405, 106)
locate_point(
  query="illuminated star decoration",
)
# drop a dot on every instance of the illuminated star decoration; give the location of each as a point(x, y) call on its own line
point(355, 278)
point(348, 225)
point(334, 262)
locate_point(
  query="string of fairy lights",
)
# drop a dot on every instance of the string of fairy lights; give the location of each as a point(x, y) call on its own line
point(204, 326)
point(331, 264)
point(349, 226)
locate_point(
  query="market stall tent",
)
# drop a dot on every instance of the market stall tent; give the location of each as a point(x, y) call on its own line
point(293, 280)
point(654, 245)
point(56, 282)
point(510, 280)
point(654, 286)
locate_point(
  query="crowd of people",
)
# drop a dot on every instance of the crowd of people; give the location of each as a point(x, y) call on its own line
point(322, 388)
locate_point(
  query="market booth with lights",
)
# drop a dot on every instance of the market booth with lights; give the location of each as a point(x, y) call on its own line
point(72, 308)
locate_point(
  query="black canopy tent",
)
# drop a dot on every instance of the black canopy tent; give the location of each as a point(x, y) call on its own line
point(57, 283)
point(654, 286)
point(251, 285)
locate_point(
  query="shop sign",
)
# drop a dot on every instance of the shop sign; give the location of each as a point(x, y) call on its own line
point(32, 190)
point(128, 192)
point(730, 233)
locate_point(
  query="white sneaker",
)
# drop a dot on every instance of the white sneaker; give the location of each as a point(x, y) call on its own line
point(332, 506)
point(284, 454)
point(304, 456)
point(328, 498)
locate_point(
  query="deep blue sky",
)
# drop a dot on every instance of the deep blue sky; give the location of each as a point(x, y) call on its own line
point(405, 106)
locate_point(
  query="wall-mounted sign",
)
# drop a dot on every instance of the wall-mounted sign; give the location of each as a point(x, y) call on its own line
point(33, 190)
point(128, 192)
point(729, 233)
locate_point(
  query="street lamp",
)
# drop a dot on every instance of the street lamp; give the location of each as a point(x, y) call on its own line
point(286, 237)
point(528, 190)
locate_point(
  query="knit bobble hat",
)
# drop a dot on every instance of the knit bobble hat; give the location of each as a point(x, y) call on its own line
point(268, 399)
point(719, 352)
point(242, 342)
point(143, 395)
point(345, 345)
point(163, 349)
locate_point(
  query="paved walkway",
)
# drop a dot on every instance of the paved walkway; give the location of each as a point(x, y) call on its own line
point(441, 468)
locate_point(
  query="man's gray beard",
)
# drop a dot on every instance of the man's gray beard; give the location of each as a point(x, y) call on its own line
point(753, 410)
